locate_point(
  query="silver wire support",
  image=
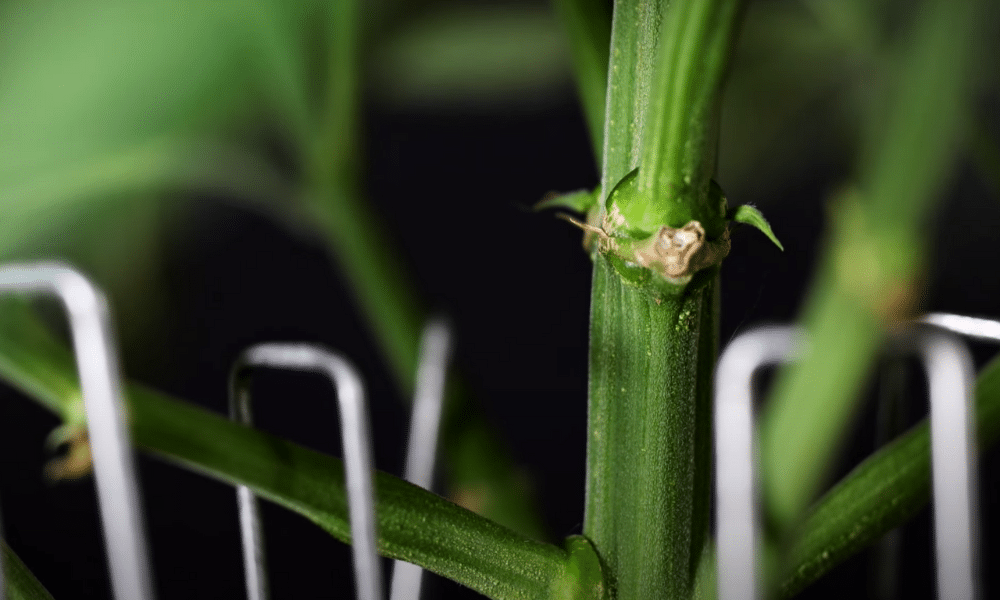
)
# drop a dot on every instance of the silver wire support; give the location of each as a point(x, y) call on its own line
point(425, 424)
point(950, 375)
point(973, 327)
point(359, 469)
point(955, 531)
point(738, 534)
point(953, 462)
point(98, 370)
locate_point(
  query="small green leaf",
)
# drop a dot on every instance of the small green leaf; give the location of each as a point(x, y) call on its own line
point(751, 216)
point(580, 201)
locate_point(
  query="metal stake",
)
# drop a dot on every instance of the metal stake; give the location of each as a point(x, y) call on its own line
point(97, 366)
point(425, 422)
point(953, 467)
point(950, 375)
point(735, 476)
point(359, 470)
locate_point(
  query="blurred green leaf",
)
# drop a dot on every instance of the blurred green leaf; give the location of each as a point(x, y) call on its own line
point(474, 56)
point(781, 111)
point(100, 99)
point(587, 24)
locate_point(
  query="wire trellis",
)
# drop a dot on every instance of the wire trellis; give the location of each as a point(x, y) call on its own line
point(933, 339)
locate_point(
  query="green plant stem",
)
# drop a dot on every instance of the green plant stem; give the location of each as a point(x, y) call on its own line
point(649, 430)
point(412, 524)
point(587, 24)
point(880, 494)
point(386, 294)
point(634, 28)
point(679, 149)
point(651, 354)
point(869, 278)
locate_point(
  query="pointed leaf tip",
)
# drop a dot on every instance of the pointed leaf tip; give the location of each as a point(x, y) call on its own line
point(751, 216)
point(580, 201)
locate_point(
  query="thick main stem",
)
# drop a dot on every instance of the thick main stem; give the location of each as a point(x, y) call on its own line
point(648, 447)
point(652, 351)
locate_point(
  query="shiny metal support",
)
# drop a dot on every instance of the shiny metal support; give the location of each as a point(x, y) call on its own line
point(953, 458)
point(953, 447)
point(737, 536)
point(97, 366)
point(950, 375)
point(359, 469)
point(425, 423)
point(974, 327)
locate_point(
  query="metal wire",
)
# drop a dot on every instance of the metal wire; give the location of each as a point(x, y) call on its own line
point(955, 484)
point(974, 327)
point(359, 469)
point(425, 422)
point(737, 536)
point(950, 375)
point(97, 366)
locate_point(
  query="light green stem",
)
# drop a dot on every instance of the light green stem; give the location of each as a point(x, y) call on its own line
point(869, 278)
point(386, 294)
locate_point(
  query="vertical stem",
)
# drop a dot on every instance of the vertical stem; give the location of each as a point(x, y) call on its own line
point(634, 27)
point(648, 439)
point(478, 464)
point(588, 26)
point(679, 150)
point(869, 279)
point(652, 352)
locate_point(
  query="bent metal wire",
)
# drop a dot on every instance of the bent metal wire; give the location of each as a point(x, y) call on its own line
point(359, 470)
point(425, 425)
point(424, 433)
point(97, 366)
point(949, 370)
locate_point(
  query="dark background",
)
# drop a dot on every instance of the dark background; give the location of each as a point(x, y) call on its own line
point(455, 189)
